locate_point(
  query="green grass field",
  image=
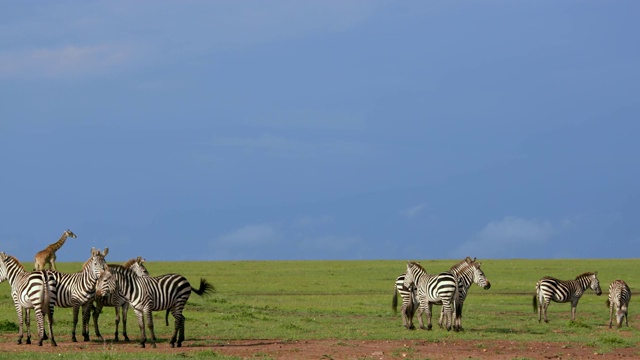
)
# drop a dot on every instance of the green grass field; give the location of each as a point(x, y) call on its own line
point(293, 300)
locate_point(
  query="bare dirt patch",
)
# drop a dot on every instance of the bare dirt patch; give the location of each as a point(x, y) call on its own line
point(349, 349)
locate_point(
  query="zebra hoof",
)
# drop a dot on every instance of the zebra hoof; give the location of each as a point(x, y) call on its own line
point(53, 343)
point(28, 342)
point(142, 345)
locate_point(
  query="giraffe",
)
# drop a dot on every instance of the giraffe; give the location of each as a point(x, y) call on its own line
point(48, 255)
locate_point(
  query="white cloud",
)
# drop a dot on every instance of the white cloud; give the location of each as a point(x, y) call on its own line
point(414, 210)
point(250, 235)
point(510, 237)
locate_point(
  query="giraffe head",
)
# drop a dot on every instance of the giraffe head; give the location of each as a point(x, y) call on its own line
point(70, 234)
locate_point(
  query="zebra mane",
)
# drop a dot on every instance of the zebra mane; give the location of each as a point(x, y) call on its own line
point(130, 263)
point(11, 257)
point(413, 263)
point(584, 275)
point(463, 264)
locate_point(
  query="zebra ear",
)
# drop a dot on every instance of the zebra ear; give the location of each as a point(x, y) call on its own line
point(595, 273)
point(106, 251)
point(93, 251)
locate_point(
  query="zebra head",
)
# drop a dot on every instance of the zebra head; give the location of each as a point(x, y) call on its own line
point(414, 271)
point(138, 268)
point(595, 284)
point(106, 284)
point(96, 265)
point(479, 277)
point(3, 267)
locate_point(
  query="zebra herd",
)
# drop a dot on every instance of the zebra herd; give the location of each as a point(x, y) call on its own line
point(420, 290)
point(98, 284)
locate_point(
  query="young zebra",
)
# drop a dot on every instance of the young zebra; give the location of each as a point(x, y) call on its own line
point(619, 297)
point(468, 271)
point(409, 302)
point(30, 290)
point(441, 288)
point(78, 289)
point(147, 294)
point(562, 291)
point(113, 299)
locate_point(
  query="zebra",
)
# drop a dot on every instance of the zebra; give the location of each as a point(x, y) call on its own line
point(146, 294)
point(30, 290)
point(561, 291)
point(116, 300)
point(409, 301)
point(432, 289)
point(468, 271)
point(78, 289)
point(619, 296)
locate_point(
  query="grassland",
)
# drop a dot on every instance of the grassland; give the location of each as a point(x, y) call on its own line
point(297, 300)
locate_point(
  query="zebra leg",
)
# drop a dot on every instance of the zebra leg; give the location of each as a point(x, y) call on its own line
point(574, 304)
point(610, 315)
point(76, 309)
point(19, 310)
point(178, 331)
point(115, 338)
point(458, 312)
point(86, 316)
point(40, 322)
point(143, 335)
point(125, 308)
point(441, 317)
point(27, 322)
point(429, 308)
point(545, 306)
point(50, 321)
point(420, 321)
point(149, 319)
point(97, 309)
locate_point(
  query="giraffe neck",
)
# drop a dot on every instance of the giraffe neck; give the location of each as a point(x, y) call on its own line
point(58, 244)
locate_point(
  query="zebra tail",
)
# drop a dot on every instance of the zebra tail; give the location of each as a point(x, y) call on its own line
point(394, 303)
point(166, 318)
point(535, 297)
point(608, 303)
point(205, 287)
point(456, 298)
point(46, 294)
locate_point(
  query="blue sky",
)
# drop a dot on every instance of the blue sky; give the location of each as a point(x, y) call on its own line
point(233, 130)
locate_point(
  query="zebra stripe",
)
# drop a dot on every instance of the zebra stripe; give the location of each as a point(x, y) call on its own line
point(409, 301)
point(441, 288)
point(619, 297)
point(561, 291)
point(147, 294)
point(78, 289)
point(468, 272)
point(115, 300)
point(30, 290)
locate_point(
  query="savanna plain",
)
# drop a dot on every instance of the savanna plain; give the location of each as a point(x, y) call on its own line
point(342, 310)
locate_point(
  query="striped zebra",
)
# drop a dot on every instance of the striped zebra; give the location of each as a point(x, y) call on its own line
point(146, 294)
point(561, 291)
point(30, 290)
point(78, 289)
point(440, 288)
point(409, 301)
point(115, 300)
point(619, 296)
point(468, 272)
